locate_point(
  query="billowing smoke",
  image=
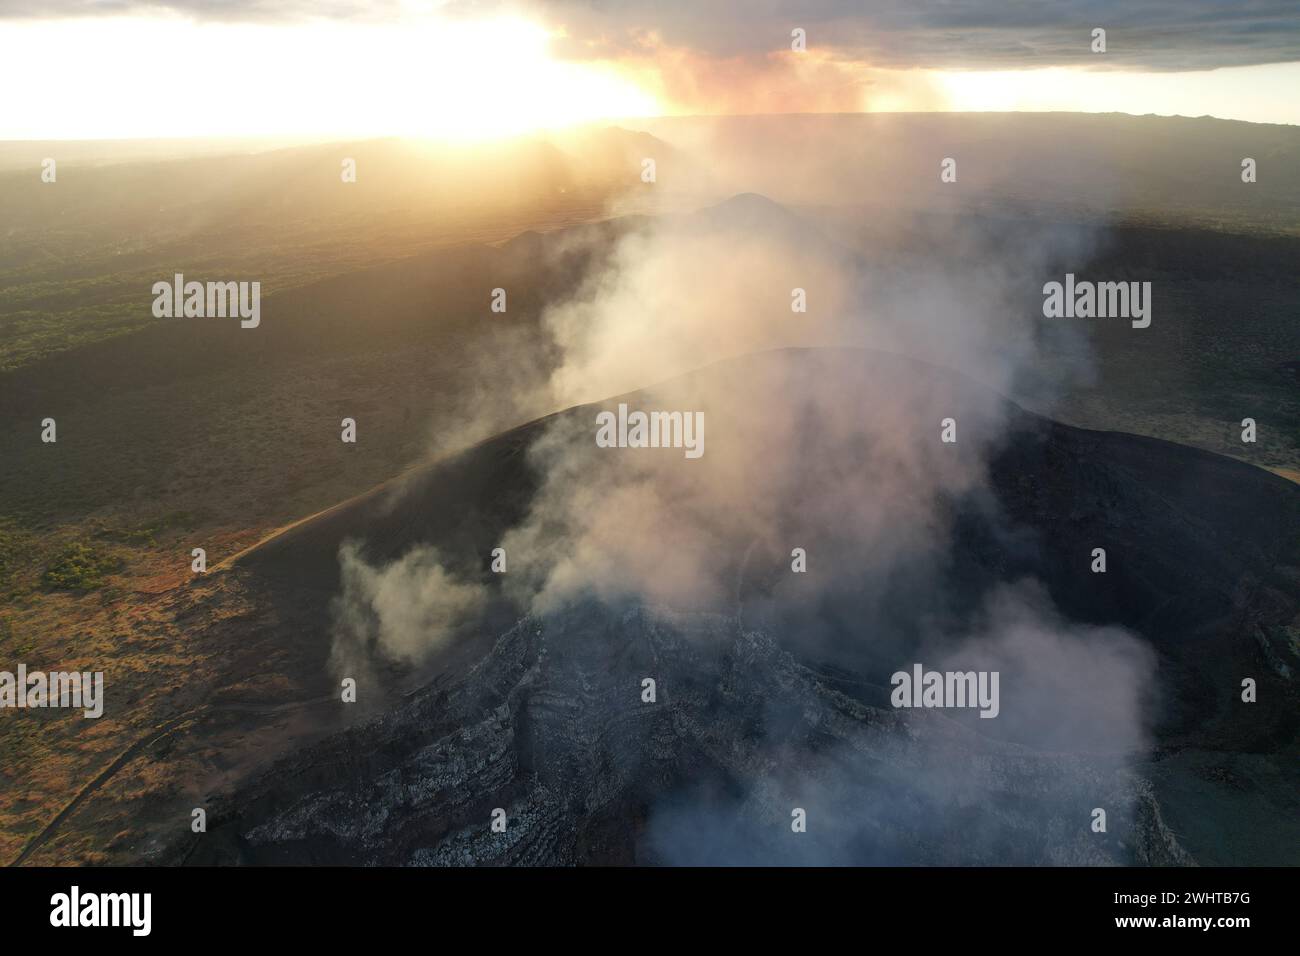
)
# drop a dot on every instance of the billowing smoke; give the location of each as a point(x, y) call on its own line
point(1071, 688)
point(838, 452)
point(943, 786)
point(852, 406)
point(835, 452)
point(399, 612)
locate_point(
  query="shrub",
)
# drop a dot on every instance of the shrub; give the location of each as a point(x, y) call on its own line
point(79, 567)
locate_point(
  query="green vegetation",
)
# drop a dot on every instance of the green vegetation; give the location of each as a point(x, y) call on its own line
point(79, 567)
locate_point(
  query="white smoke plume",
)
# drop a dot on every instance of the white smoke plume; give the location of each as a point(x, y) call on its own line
point(679, 294)
point(399, 612)
point(820, 438)
point(836, 452)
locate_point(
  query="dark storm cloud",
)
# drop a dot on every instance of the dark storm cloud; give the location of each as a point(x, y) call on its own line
point(1152, 34)
point(1160, 34)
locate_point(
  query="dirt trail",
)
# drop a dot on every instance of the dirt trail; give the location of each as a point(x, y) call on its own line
point(139, 746)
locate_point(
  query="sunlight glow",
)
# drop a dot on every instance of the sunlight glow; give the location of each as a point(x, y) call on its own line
point(458, 80)
point(1257, 94)
point(452, 79)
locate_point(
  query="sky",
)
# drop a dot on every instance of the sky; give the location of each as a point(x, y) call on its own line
point(474, 69)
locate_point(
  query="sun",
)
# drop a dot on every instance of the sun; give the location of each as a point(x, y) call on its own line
point(497, 78)
point(430, 77)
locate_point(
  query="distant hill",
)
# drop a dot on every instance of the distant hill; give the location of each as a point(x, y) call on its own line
point(75, 254)
point(1170, 170)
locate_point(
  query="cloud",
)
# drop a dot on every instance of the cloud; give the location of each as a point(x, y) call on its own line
point(1176, 35)
point(951, 34)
